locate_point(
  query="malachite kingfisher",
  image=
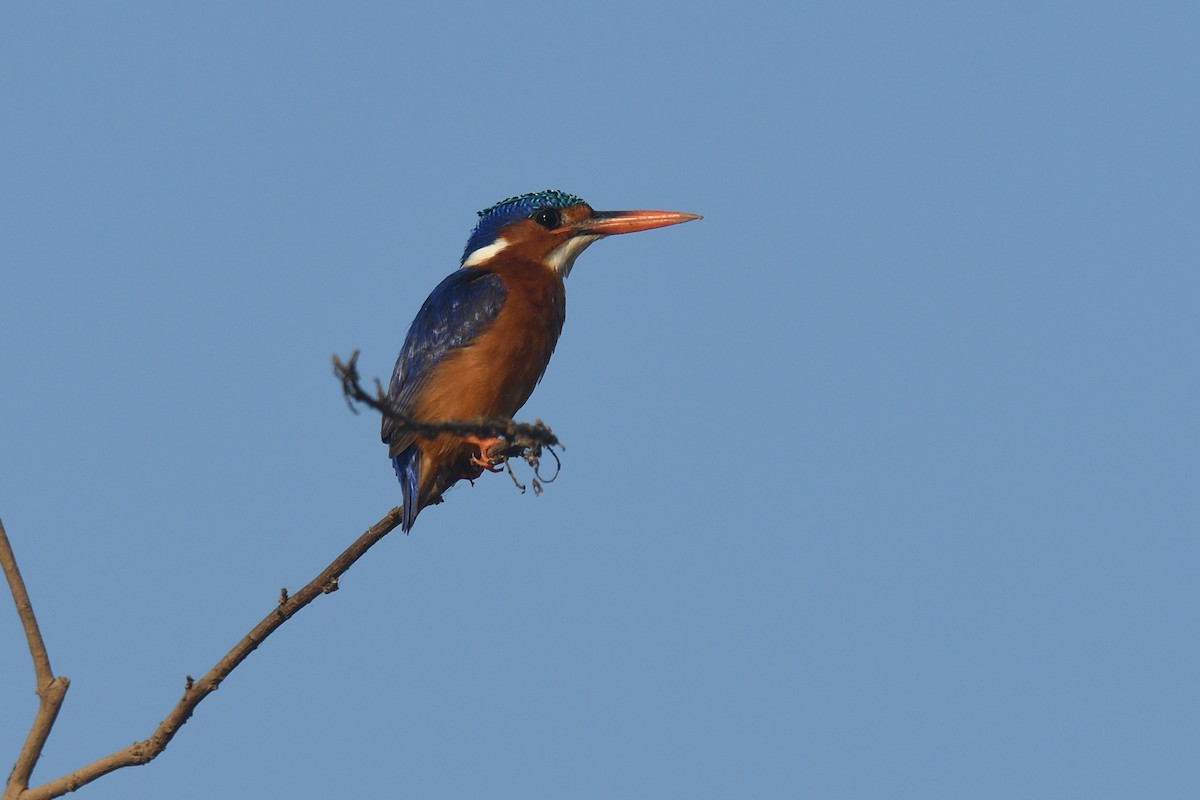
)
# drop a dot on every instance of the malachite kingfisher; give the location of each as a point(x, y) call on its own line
point(482, 340)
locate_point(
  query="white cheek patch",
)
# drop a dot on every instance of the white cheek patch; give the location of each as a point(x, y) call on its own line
point(485, 253)
point(562, 258)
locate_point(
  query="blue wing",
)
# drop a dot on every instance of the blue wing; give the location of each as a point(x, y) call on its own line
point(457, 311)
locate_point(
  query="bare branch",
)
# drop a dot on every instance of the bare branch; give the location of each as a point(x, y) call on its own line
point(50, 690)
point(196, 690)
point(37, 647)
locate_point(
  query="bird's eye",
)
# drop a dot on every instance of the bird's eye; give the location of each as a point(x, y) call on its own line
point(548, 218)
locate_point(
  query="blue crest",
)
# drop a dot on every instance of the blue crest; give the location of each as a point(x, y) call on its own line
point(491, 220)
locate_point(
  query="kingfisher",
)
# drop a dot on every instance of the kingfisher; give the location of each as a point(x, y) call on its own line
point(484, 336)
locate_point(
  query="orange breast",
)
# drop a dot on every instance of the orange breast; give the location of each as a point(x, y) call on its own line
point(494, 376)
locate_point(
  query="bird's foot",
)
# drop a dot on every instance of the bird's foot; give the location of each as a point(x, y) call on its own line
point(484, 460)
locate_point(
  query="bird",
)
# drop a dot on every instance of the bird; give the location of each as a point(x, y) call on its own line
point(482, 339)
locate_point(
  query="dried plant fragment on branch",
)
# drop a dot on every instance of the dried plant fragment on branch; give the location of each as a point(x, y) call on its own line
point(523, 440)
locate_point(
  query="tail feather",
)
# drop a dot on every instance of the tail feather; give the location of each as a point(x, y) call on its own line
point(408, 472)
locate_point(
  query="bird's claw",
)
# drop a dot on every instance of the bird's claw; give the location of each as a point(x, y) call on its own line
point(485, 460)
point(489, 464)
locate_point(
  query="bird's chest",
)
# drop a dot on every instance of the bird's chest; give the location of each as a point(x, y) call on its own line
point(514, 357)
point(495, 375)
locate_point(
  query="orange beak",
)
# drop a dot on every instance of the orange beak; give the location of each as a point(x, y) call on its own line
point(608, 223)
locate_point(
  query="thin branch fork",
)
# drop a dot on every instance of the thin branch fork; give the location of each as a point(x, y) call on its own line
point(194, 691)
point(51, 690)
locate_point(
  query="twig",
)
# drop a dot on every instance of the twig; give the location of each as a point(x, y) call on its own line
point(196, 690)
point(50, 690)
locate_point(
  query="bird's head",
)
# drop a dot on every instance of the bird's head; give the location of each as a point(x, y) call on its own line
point(553, 228)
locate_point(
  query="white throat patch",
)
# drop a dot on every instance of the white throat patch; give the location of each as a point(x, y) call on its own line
point(562, 258)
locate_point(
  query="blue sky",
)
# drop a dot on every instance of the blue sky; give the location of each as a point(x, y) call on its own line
point(880, 481)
